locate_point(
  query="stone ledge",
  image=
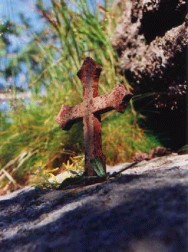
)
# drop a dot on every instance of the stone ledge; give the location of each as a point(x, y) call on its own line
point(144, 209)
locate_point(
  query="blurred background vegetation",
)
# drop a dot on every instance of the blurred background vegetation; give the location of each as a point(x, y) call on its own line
point(49, 61)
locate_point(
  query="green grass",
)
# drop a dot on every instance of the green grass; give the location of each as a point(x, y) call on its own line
point(30, 137)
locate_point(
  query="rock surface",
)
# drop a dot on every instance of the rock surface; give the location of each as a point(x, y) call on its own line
point(142, 210)
point(151, 40)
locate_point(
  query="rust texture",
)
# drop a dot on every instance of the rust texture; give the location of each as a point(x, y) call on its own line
point(90, 111)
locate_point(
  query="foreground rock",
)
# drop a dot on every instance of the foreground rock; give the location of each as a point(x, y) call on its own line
point(144, 209)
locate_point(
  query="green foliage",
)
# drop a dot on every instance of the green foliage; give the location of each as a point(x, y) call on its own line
point(98, 167)
point(46, 178)
point(122, 136)
point(30, 138)
point(183, 150)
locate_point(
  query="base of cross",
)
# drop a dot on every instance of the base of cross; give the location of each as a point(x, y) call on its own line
point(75, 182)
point(90, 111)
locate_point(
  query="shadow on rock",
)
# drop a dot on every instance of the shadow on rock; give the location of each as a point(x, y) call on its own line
point(123, 215)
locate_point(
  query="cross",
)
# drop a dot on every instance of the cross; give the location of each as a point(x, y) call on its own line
point(90, 111)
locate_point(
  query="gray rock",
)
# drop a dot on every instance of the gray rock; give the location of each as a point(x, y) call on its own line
point(151, 40)
point(143, 209)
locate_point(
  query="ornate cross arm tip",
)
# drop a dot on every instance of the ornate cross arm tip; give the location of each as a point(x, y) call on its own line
point(66, 117)
point(118, 100)
point(120, 97)
point(89, 69)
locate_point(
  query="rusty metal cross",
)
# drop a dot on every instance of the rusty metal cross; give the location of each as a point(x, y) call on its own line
point(90, 111)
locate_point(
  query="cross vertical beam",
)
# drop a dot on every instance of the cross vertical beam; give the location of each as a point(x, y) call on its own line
point(89, 75)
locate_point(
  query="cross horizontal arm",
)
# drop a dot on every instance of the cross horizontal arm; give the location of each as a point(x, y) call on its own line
point(69, 115)
point(117, 99)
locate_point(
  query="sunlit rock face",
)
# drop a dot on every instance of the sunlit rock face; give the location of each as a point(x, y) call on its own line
point(151, 39)
point(143, 209)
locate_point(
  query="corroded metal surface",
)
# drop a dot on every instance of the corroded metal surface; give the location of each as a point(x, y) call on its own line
point(90, 111)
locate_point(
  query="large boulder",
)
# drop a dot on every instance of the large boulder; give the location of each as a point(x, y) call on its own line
point(151, 39)
point(142, 210)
